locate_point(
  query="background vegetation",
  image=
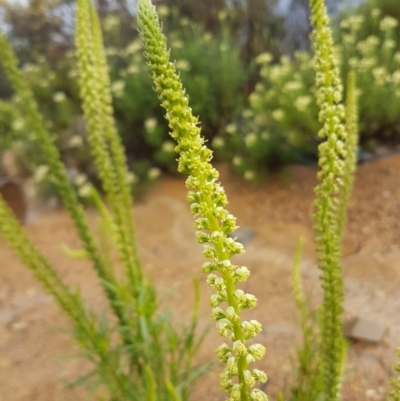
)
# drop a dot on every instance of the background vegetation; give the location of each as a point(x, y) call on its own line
point(247, 67)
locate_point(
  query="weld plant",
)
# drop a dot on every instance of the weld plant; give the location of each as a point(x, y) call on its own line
point(212, 221)
point(337, 164)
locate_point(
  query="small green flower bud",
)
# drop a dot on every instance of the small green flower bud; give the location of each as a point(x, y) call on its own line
point(219, 212)
point(250, 359)
point(223, 326)
point(223, 352)
point(208, 267)
point(239, 348)
point(205, 209)
point(231, 314)
point(209, 252)
point(192, 182)
point(201, 224)
point(237, 248)
point(208, 189)
point(219, 285)
point(257, 325)
point(337, 96)
point(193, 197)
point(235, 393)
point(251, 328)
point(216, 299)
point(211, 279)
point(202, 237)
point(195, 208)
point(225, 265)
point(206, 154)
point(225, 380)
point(216, 237)
point(231, 365)
point(322, 161)
point(218, 314)
point(258, 395)
point(220, 197)
point(240, 296)
point(248, 378)
point(257, 350)
point(213, 175)
point(228, 224)
point(231, 247)
point(259, 375)
point(241, 274)
point(250, 302)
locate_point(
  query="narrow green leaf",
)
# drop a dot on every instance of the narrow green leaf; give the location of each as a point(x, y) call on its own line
point(150, 384)
point(172, 391)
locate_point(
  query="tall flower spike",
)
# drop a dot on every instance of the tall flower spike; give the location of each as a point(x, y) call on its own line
point(104, 139)
point(28, 106)
point(332, 161)
point(213, 222)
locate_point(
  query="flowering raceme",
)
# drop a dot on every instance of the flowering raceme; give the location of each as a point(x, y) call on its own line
point(212, 221)
point(336, 161)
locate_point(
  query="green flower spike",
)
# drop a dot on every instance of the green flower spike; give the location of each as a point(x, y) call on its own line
point(335, 161)
point(105, 143)
point(213, 222)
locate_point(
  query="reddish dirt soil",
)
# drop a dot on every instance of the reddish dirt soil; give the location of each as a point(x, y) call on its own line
point(34, 338)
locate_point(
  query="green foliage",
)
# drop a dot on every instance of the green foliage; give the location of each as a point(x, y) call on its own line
point(279, 126)
point(34, 26)
point(57, 95)
point(141, 355)
point(9, 125)
point(371, 11)
point(371, 47)
point(253, 23)
point(215, 93)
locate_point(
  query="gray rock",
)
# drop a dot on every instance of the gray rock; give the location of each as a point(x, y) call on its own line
point(244, 235)
point(358, 328)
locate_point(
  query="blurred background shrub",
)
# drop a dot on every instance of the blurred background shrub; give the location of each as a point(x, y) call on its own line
point(371, 46)
point(280, 123)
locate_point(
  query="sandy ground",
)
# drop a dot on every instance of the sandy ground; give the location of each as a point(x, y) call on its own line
point(36, 348)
